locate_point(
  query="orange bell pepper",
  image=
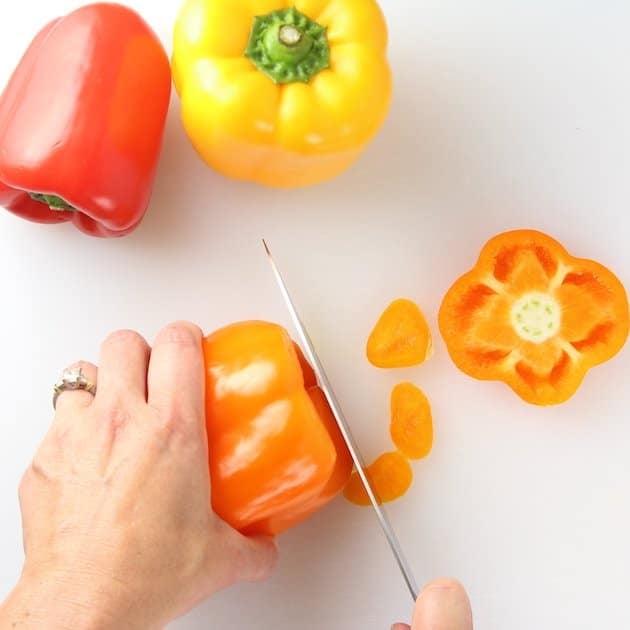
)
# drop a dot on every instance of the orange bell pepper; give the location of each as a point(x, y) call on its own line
point(276, 454)
point(401, 337)
point(533, 316)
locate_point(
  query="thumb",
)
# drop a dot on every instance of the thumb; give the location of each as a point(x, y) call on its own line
point(401, 626)
point(442, 605)
point(255, 557)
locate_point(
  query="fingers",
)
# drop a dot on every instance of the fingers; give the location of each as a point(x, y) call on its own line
point(122, 370)
point(72, 400)
point(442, 605)
point(176, 380)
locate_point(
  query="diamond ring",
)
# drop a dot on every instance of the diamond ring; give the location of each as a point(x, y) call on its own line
point(72, 379)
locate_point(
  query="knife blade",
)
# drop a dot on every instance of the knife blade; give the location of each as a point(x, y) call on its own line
point(324, 383)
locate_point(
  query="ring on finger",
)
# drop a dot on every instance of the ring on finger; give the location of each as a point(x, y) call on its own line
point(72, 379)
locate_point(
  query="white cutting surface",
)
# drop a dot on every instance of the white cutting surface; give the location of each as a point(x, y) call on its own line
point(504, 116)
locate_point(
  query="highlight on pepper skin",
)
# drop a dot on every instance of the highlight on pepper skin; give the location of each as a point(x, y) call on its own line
point(534, 316)
point(276, 453)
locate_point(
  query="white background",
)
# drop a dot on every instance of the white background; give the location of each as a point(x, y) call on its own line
point(506, 114)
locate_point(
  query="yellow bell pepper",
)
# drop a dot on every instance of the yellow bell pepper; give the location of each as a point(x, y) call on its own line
point(283, 94)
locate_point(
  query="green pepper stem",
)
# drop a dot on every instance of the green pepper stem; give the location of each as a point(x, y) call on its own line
point(53, 202)
point(290, 36)
point(288, 46)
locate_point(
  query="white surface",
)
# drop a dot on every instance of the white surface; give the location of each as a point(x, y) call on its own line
point(506, 114)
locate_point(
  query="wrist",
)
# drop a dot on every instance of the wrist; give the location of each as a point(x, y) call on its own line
point(66, 603)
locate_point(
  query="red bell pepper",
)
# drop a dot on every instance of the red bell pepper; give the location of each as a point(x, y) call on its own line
point(82, 120)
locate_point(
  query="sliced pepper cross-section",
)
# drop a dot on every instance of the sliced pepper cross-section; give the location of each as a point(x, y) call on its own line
point(533, 316)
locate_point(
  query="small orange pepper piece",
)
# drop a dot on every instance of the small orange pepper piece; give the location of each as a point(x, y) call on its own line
point(390, 476)
point(534, 316)
point(401, 337)
point(411, 424)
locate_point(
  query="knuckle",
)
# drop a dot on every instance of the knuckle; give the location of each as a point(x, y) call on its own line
point(170, 422)
point(124, 337)
point(59, 435)
point(116, 416)
point(43, 468)
point(85, 366)
point(51, 457)
point(166, 424)
point(180, 334)
point(181, 428)
point(111, 421)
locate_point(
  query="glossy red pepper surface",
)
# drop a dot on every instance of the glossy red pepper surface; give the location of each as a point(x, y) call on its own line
point(82, 120)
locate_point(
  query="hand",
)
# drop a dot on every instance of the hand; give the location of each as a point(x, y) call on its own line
point(118, 528)
point(442, 605)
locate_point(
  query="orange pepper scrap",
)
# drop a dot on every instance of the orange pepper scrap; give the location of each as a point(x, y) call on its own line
point(401, 337)
point(411, 424)
point(390, 476)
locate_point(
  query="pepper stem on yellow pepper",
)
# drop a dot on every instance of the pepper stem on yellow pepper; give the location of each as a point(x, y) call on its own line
point(288, 46)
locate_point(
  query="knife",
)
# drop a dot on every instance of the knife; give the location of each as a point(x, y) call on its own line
point(324, 383)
